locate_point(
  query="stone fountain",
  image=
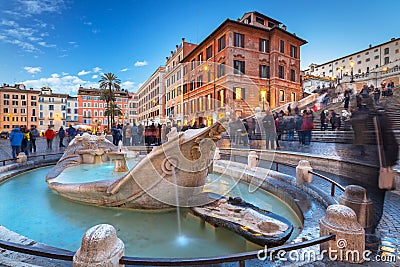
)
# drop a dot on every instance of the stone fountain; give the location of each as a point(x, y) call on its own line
point(181, 163)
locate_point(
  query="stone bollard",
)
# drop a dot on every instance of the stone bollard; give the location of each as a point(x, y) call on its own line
point(355, 197)
point(252, 159)
point(100, 248)
point(217, 155)
point(22, 158)
point(349, 245)
point(302, 172)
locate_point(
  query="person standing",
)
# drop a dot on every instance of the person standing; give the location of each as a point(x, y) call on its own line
point(140, 132)
point(26, 142)
point(61, 135)
point(135, 134)
point(289, 109)
point(71, 133)
point(270, 131)
point(50, 134)
point(290, 126)
point(307, 127)
point(377, 95)
point(346, 99)
point(299, 123)
point(322, 117)
point(34, 134)
point(128, 135)
point(16, 137)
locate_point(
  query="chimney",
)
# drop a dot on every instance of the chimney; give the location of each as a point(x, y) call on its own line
point(183, 39)
point(172, 53)
point(176, 46)
point(392, 39)
point(370, 45)
point(284, 27)
point(166, 58)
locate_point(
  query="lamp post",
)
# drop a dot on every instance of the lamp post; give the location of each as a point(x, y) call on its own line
point(352, 77)
point(263, 93)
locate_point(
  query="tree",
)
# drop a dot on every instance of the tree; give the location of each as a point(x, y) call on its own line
point(109, 83)
point(113, 110)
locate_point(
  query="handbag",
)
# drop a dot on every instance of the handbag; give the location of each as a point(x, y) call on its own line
point(386, 174)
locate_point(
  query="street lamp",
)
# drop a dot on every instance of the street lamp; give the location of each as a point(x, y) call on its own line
point(263, 93)
point(352, 77)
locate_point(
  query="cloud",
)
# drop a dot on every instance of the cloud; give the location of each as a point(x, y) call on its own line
point(44, 44)
point(95, 76)
point(97, 69)
point(33, 70)
point(140, 63)
point(67, 84)
point(83, 72)
point(123, 70)
point(88, 23)
point(36, 7)
point(128, 85)
point(9, 23)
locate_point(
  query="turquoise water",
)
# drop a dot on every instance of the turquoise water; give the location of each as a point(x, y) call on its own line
point(91, 172)
point(30, 208)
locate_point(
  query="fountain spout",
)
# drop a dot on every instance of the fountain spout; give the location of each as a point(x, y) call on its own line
point(120, 146)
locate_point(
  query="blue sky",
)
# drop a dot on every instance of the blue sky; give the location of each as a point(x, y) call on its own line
point(67, 43)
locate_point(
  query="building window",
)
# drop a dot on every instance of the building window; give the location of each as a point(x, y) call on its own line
point(238, 93)
point(367, 60)
point(221, 97)
point(260, 20)
point(15, 103)
point(178, 75)
point(6, 102)
point(200, 81)
point(293, 51)
point(293, 96)
point(221, 43)
point(15, 97)
point(359, 62)
point(209, 101)
point(264, 45)
point(209, 52)
point(386, 60)
point(238, 39)
point(293, 75)
point(6, 96)
point(386, 51)
point(281, 95)
point(264, 71)
point(282, 46)
point(396, 51)
point(199, 58)
point(51, 107)
point(184, 70)
point(193, 64)
point(282, 72)
point(376, 57)
point(239, 67)
point(192, 85)
point(221, 70)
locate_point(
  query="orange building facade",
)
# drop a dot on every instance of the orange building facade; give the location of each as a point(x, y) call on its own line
point(243, 64)
point(91, 109)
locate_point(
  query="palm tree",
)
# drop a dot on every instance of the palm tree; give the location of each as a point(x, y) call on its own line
point(109, 83)
point(113, 110)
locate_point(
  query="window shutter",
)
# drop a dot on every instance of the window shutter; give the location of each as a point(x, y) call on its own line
point(234, 93)
point(242, 39)
point(243, 93)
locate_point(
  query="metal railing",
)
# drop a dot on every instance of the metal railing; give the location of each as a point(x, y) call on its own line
point(332, 182)
point(240, 258)
point(3, 161)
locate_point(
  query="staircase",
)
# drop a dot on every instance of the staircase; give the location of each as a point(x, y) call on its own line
point(391, 104)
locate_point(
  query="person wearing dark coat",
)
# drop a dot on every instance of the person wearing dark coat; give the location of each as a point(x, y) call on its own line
point(290, 127)
point(61, 135)
point(270, 131)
